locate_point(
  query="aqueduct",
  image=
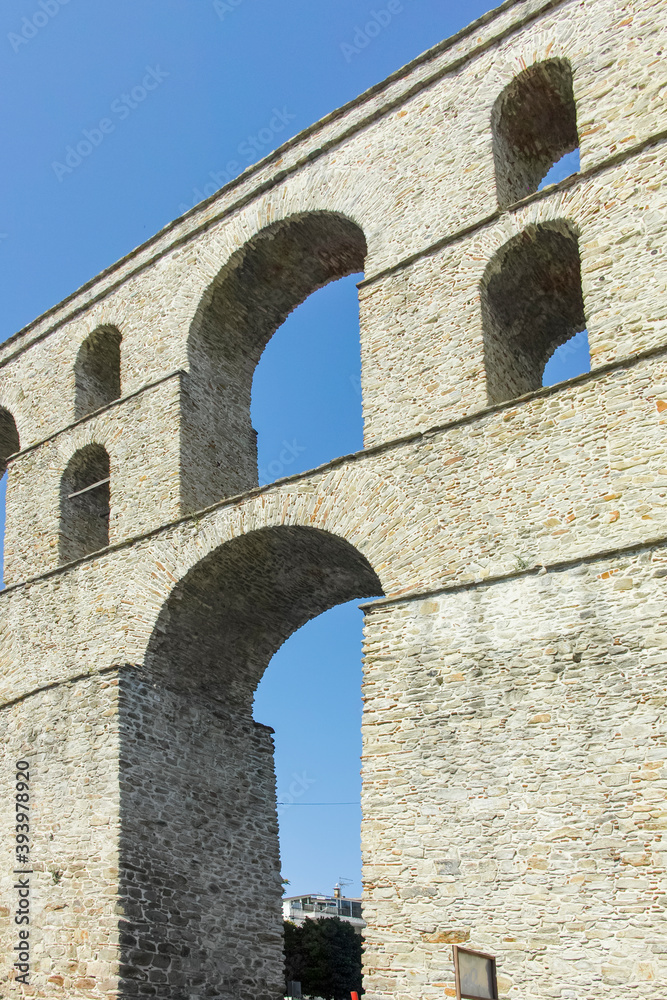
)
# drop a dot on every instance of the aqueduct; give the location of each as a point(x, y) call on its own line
point(512, 538)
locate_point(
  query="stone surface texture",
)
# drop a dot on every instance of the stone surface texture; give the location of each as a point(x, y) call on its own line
point(515, 547)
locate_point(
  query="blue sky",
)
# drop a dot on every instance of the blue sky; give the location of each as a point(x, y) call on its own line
point(170, 98)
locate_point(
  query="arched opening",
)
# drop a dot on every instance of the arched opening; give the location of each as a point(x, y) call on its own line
point(570, 359)
point(198, 770)
point(250, 298)
point(532, 303)
point(306, 402)
point(568, 164)
point(310, 695)
point(534, 124)
point(84, 504)
point(9, 445)
point(97, 371)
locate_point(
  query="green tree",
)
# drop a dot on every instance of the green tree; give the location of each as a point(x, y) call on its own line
point(324, 956)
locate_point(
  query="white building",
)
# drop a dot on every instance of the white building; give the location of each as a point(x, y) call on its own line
point(312, 907)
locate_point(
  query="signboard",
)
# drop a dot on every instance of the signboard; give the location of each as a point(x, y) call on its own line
point(475, 975)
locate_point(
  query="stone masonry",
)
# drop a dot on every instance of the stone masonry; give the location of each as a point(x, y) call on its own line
point(513, 539)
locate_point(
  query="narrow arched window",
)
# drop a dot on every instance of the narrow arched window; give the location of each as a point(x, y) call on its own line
point(84, 504)
point(306, 390)
point(9, 445)
point(97, 371)
point(534, 123)
point(532, 303)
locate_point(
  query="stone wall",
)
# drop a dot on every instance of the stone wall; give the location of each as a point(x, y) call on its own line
point(514, 786)
point(513, 734)
point(70, 736)
point(142, 439)
point(199, 861)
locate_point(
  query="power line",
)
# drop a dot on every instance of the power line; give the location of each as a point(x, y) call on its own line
point(319, 803)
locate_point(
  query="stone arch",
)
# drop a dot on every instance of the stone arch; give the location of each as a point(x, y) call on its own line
point(532, 302)
point(244, 305)
point(97, 371)
point(84, 504)
point(267, 583)
point(199, 771)
point(534, 124)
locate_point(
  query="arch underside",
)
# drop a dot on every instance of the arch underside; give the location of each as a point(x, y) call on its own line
point(224, 621)
point(532, 303)
point(534, 124)
point(9, 437)
point(97, 371)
